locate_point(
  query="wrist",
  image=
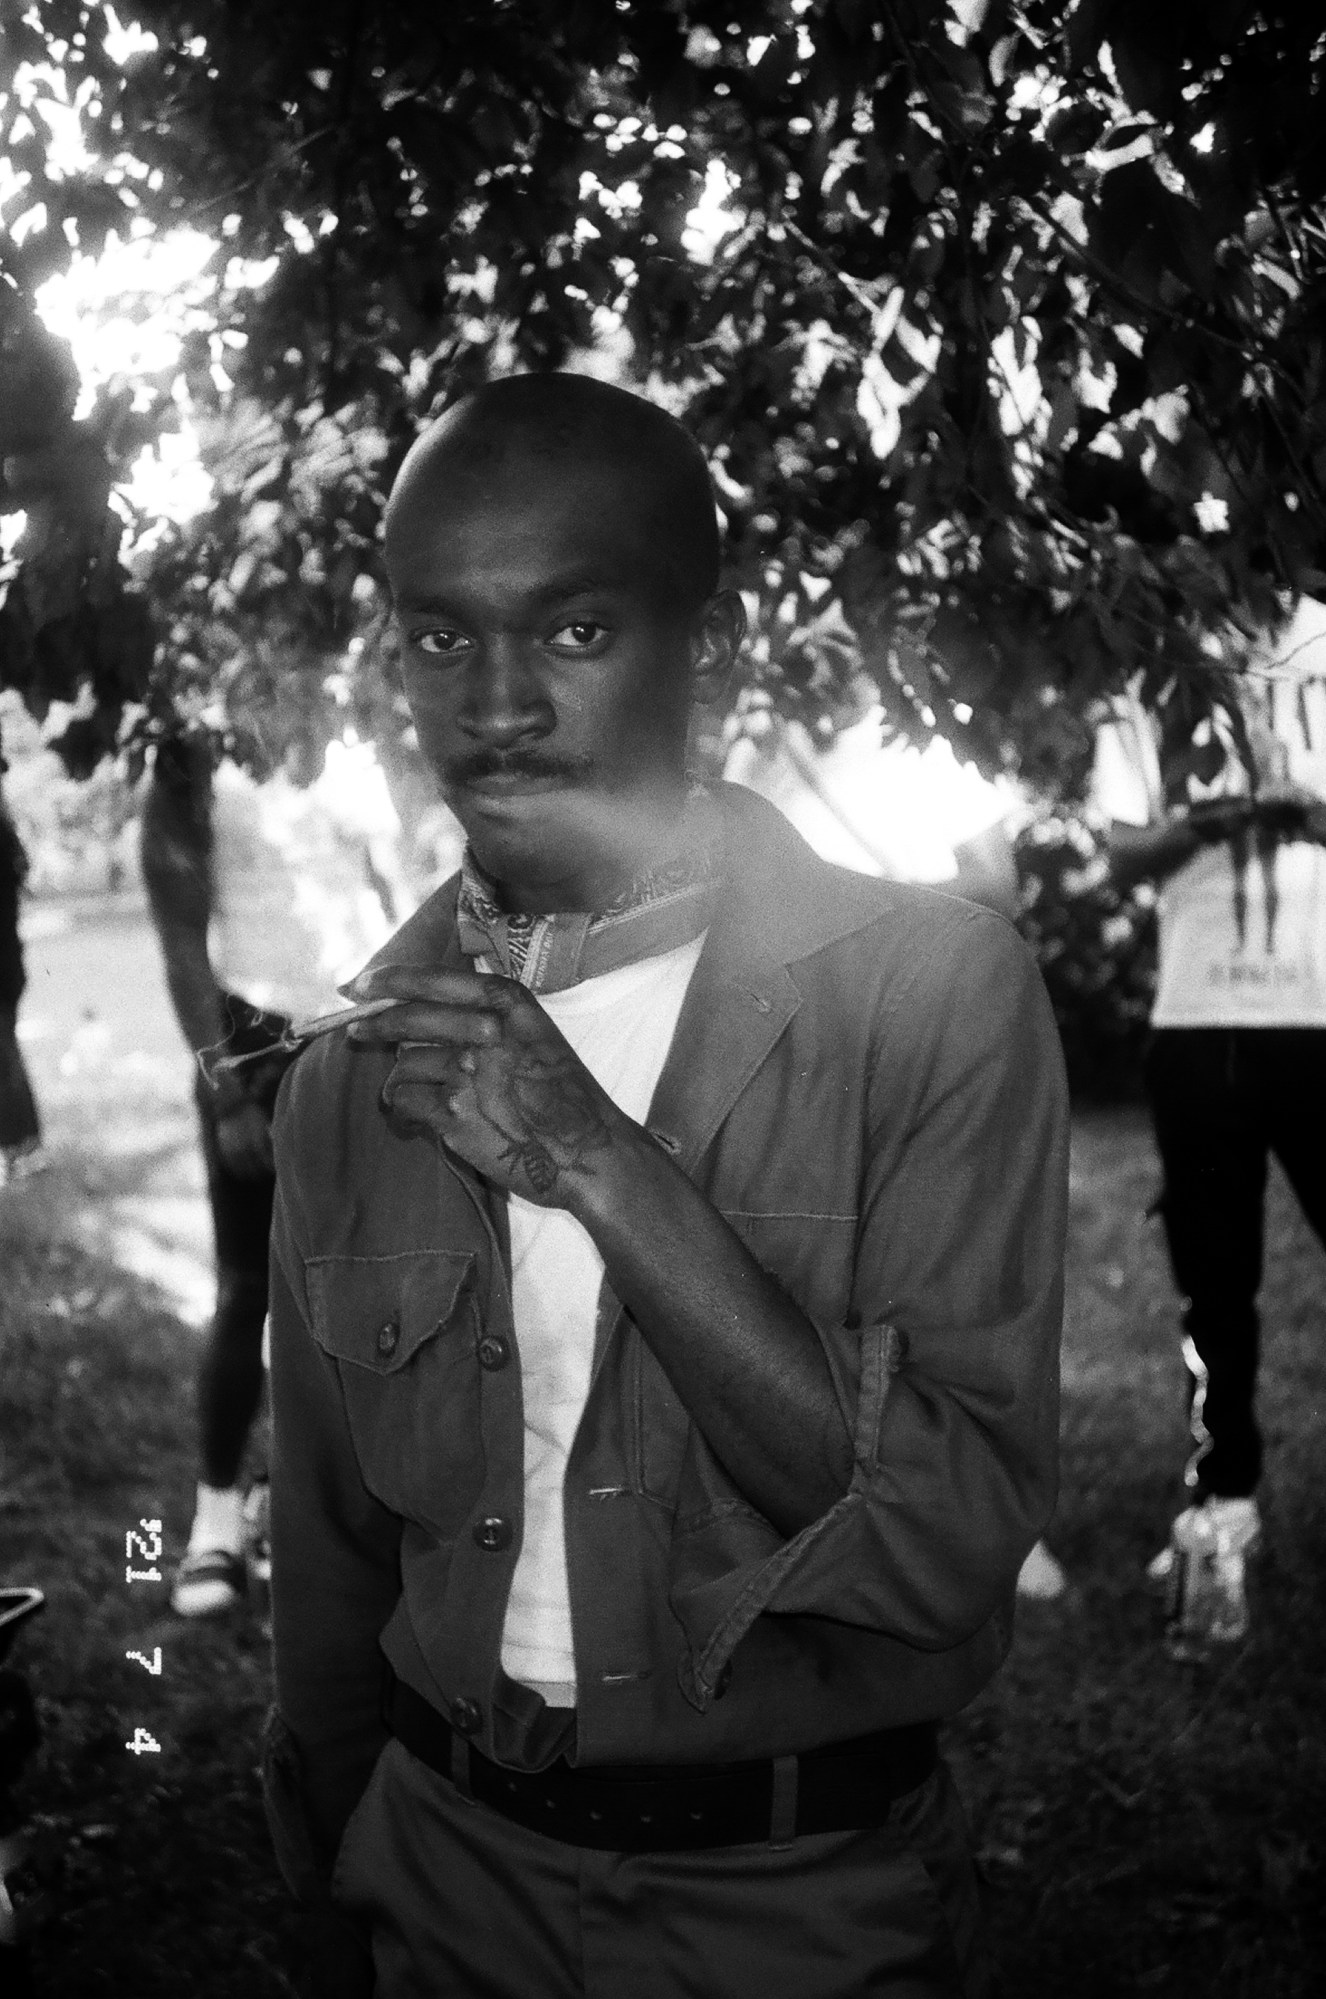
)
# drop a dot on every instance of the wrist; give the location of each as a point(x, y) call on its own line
point(599, 1196)
point(1201, 829)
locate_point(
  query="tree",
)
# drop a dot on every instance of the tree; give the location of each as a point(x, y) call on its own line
point(1001, 321)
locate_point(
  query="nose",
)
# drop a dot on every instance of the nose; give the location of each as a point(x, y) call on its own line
point(504, 701)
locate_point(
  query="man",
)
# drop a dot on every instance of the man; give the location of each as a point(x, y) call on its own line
point(262, 896)
point(1229, 819)
point(665, 1309)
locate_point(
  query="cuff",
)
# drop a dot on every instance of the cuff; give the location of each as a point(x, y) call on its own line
point(730, 1573)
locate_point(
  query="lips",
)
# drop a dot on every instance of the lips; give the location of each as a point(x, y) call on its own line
point(512, 783)
point(515, 776)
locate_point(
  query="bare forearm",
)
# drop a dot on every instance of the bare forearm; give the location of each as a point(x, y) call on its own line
point(193, 989)
point(1151, 853)
point(178, 879)
point(740, 1353)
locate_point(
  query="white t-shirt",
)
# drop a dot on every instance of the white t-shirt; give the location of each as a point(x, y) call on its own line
point(881, 808)
point(296, 911)
point(621, 1025)
point(1242, 930)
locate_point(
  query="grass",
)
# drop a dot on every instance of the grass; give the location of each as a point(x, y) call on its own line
point(1143, 1826)
point(1147, 1826)
point(152, 1870)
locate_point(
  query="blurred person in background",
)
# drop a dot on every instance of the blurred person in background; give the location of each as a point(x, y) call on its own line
point(900, 813)
point(263, 896)
point(1228, 820)
point(20, 1124)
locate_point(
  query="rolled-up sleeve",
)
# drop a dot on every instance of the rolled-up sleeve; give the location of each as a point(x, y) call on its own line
point(947, 1366)
point(335, 1562)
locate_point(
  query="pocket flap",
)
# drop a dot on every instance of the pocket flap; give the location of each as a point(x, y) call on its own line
point(377, 1311)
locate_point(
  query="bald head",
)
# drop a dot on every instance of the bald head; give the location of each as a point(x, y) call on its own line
point(609, 454)
point(553, 554)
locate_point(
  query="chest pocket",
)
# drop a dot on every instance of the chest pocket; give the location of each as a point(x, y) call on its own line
point(403, 1330)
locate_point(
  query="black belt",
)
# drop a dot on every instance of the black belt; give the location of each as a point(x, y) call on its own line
point(644, 1808)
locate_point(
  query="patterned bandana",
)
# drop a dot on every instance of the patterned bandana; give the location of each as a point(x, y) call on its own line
point(662, 909)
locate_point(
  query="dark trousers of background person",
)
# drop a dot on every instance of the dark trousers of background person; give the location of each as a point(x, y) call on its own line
point(1224, 1099)
point(20, 1125)
point(230, 1374)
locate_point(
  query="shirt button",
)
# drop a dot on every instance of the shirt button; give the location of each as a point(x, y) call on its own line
point(493, 1351)
point(388, 1337)
point(493, 1532)
point(466, 1716)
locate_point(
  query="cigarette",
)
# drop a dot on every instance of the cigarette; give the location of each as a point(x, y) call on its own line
point(324, 1022)
point(298, 1032)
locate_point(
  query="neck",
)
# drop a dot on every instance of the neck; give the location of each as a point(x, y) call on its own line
point(550, 936)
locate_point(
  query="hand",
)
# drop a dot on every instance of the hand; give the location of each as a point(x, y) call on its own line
point(480, 1064)
point(1291, 811)
point(1216, 819)
point(244, 1140)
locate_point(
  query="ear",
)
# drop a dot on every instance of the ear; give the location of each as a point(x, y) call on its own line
point(716, 639)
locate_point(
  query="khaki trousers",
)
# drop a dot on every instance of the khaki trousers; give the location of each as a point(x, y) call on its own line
point(462, 1904)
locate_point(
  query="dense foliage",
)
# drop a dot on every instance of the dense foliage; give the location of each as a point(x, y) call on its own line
point(1002, 321)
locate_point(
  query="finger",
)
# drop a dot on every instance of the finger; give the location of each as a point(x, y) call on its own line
point(428, 1062)
point(430, 1104)
point(422, 982)
point(454, 1026)
point(417, 1105)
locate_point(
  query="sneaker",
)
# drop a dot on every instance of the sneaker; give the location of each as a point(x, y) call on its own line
point(1237, 1518)
point(1041, 1576)
point(1207, 1574)
point(208, 1582)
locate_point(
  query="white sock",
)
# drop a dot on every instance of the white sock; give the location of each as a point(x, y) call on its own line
point(219, 1519)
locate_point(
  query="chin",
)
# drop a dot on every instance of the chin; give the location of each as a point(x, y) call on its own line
point(574, 849)
point(526, 840)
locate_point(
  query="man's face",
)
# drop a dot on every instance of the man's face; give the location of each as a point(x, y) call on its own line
point(550, 685)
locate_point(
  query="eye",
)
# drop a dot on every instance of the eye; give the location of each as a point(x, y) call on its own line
point(579, 635)
point(440, 641)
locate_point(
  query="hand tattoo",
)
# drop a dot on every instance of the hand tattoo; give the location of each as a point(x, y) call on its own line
point(560, 1123)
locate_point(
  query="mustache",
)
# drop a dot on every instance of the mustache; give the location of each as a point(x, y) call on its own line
point(519, 762)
